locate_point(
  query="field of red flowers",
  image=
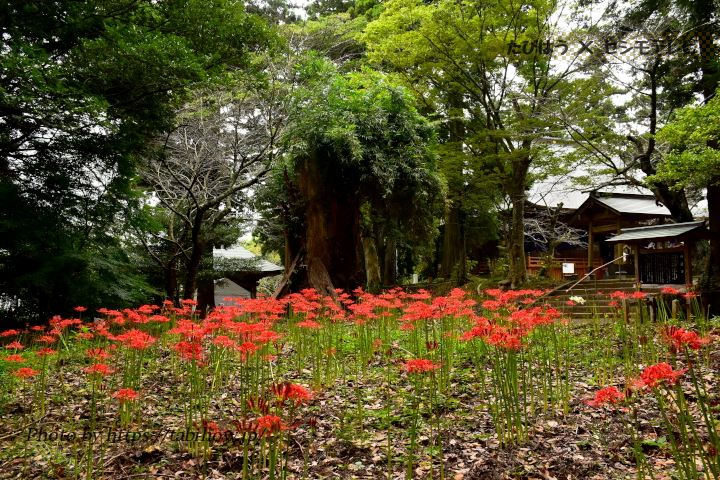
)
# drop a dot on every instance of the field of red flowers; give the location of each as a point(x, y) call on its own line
point(396, 385)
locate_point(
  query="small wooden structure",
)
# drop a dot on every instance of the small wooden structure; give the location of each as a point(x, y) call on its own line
point(662, 253)
point(601, 215)
point(604, 214)
point(241, 269)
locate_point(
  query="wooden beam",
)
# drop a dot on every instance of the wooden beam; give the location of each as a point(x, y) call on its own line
point(688, 264)
point(636, 261)
point(590, 248)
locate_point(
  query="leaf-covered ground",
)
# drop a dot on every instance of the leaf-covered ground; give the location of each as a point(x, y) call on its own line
point(356, 425)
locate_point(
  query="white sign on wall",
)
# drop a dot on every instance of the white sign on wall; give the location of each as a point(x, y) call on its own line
point(568, 268)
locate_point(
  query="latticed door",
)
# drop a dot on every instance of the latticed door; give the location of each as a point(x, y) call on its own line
point(662, 268)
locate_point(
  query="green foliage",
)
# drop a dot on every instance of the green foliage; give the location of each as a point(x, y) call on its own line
point(692, 138)
point(85, 86)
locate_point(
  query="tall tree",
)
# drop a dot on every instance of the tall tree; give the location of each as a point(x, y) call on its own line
point(691, 144)
point(84, 86)
point(506, 96)
point(225, 143)
point(357, 144)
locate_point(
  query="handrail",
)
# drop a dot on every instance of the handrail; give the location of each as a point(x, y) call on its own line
point(623, 257)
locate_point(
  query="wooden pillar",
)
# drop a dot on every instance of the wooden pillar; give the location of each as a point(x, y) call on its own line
point(590, 248)
point(688, 264)
point(636, 261)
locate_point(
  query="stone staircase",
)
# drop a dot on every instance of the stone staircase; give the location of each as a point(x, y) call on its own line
point(596, 294)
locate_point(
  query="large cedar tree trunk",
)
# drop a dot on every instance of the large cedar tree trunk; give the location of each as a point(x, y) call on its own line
point(333, 250)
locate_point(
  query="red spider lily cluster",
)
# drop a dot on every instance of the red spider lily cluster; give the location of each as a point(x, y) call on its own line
point(650, 378)
point(607, 395)
point(126, 395)
point(659, 374)
point(509, 324)
point(620, 295)
point(420, 365)
point(292, 392)
point(25, 372)
point(679, 339)
point(99, 369)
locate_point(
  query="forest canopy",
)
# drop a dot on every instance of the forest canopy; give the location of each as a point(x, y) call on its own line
point(363, 142)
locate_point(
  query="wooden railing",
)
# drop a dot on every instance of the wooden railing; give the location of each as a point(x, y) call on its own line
point(536, 264)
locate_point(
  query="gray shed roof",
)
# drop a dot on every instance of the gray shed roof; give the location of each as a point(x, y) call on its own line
point(656, 231)
point(245, 259)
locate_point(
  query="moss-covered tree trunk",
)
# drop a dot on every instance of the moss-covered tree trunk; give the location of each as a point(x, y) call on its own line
point(452, 241)
point(372, 264)
point(515, 188)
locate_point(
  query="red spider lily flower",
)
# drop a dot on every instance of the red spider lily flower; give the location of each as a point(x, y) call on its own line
point(47, 339)
point(679, 338)
point(638, 295)
point(690, 295)
point(309, 324)
point(268, 425)
point(37, 328)
point(224, 341)
point(59, 324)
point(99, 369)
point(14, 346)
point(136, 339)
point(188, 302)
point(189, 350)
point(147, 309)
point(85, 336)
point(420, 365)
point(492, 304)
point(247, 348)
point(159, 319)
point(669, 291)
point(25, 372)
point(15, 358)
point(570, 303)
point(654, 375)
point(44, 352)
point(291, 391)
point(619, 295)
point(97, 353)
point(9, 333)
point(504, 339)
point(80, 309)
point(126, 395)
point(606, 395)
point(614, 304)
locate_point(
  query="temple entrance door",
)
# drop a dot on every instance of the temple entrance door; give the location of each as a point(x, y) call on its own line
point(662, 268)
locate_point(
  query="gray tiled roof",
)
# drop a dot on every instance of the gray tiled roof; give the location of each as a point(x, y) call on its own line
point(640, 204)
point(254, 262)
point(656, 231)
